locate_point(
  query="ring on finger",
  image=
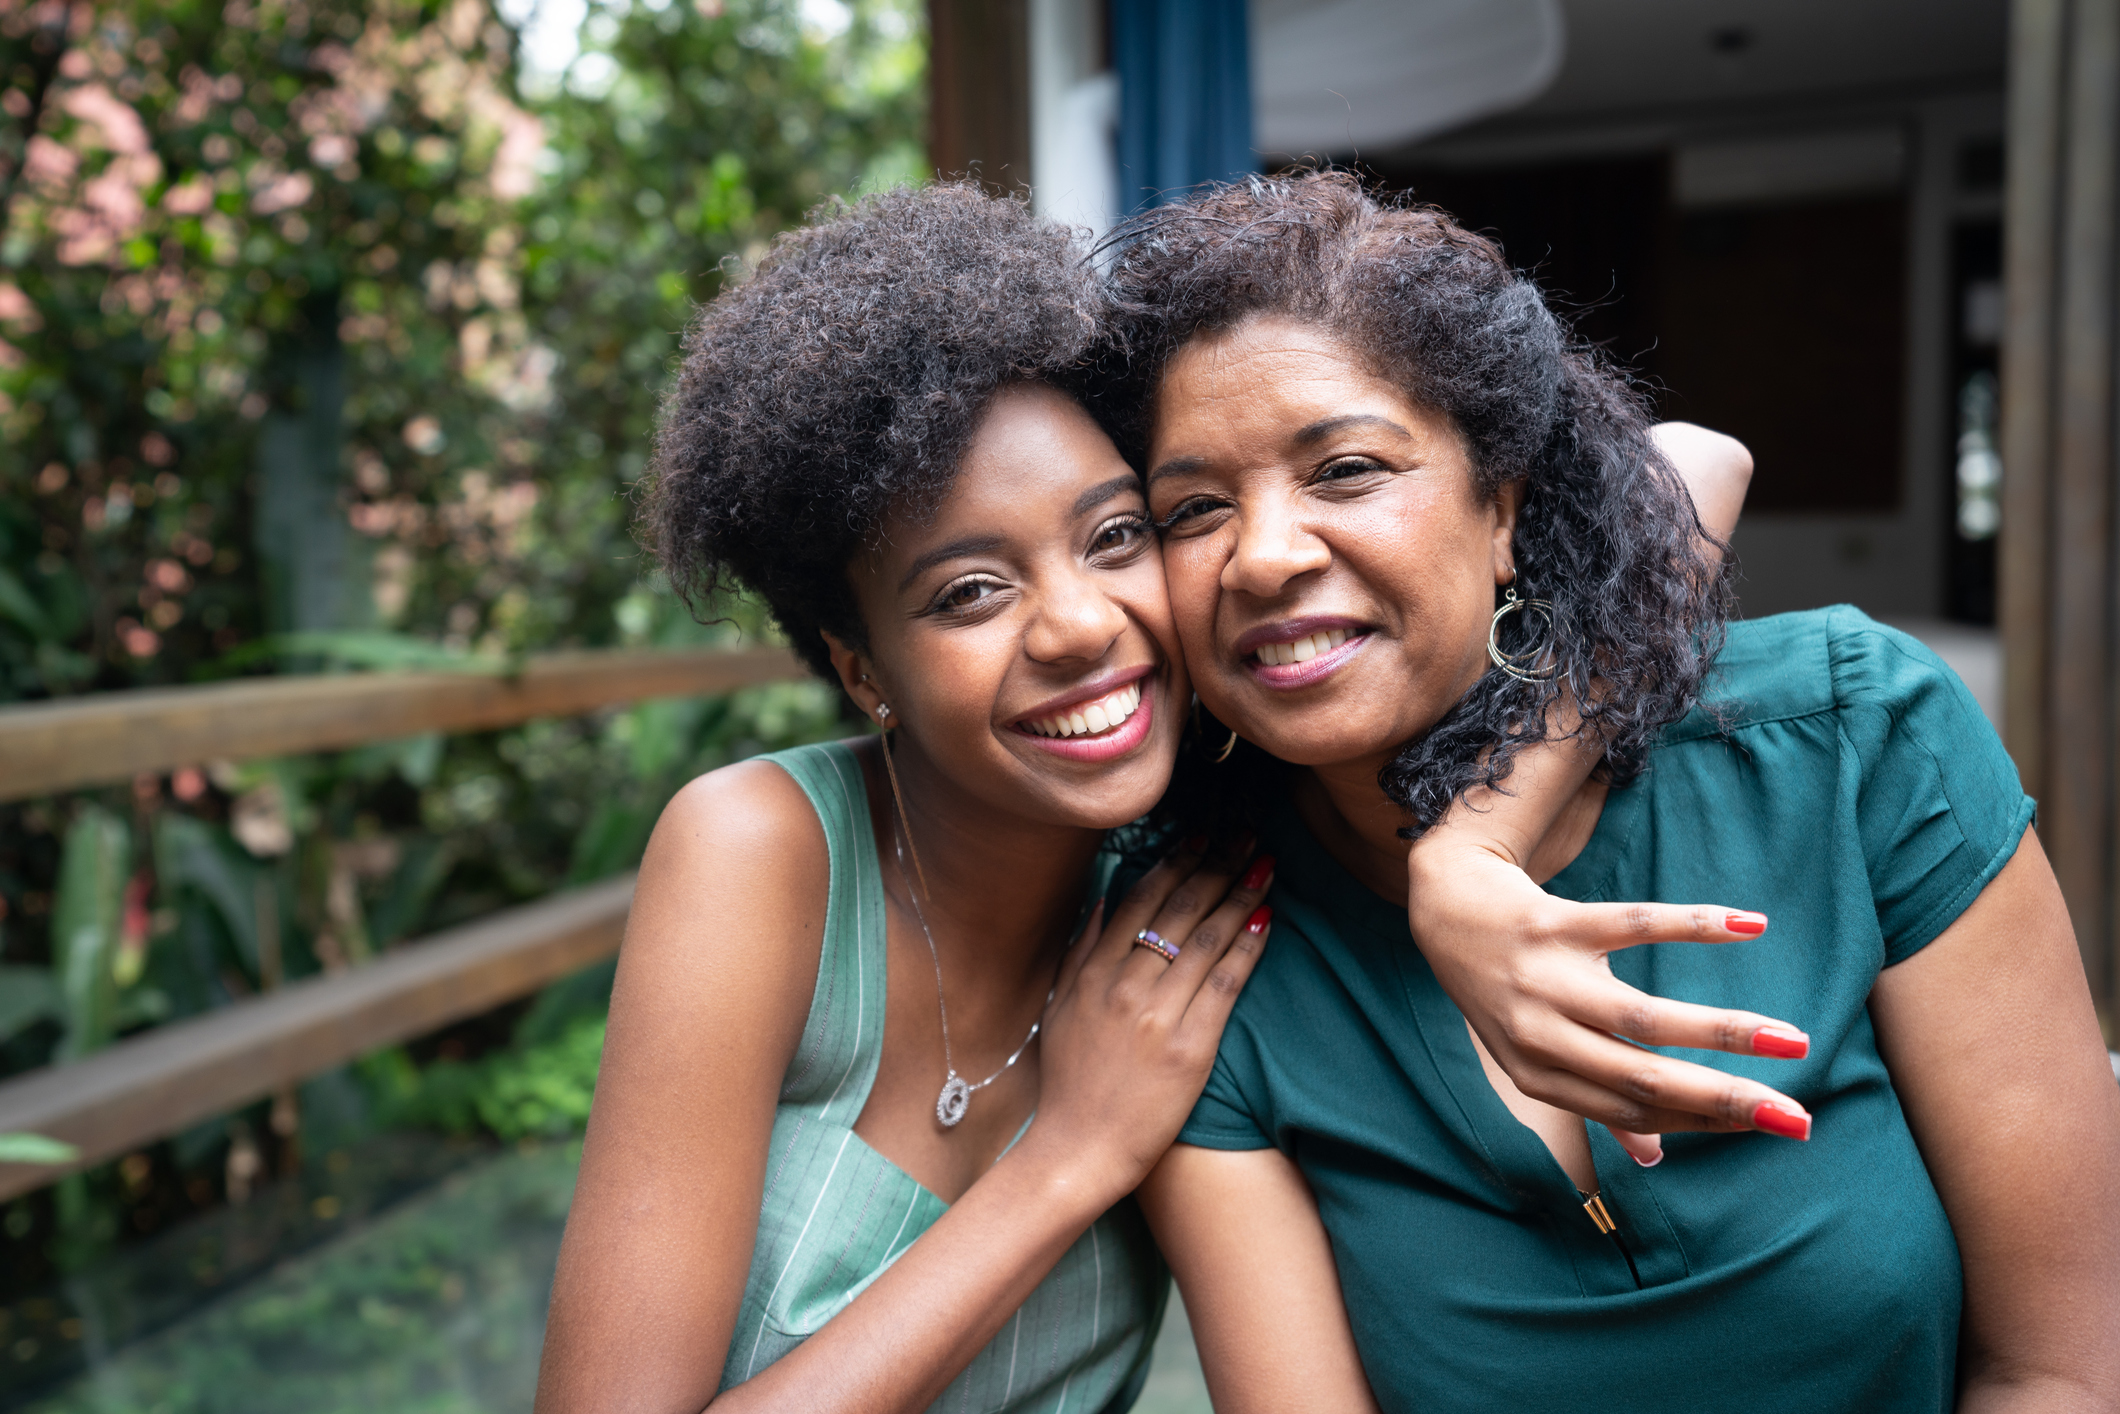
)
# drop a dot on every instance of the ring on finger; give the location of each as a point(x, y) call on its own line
point(1155, 942)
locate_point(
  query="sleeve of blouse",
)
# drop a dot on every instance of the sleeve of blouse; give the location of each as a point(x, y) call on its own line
point(1222, 1119)
point(1939, 805)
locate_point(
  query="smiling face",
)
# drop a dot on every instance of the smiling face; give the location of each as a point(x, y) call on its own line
point(1022, 634)
point(1331, 561)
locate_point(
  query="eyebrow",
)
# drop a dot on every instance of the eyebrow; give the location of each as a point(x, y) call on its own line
point(1097, 495)
point(969, 545)
point(1176, 466)
point(1319, 431)
point(1304, 437)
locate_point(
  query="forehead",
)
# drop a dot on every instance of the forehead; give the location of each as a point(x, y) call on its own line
point(1277, 377)
point(1263, 363)
point(1034, 457)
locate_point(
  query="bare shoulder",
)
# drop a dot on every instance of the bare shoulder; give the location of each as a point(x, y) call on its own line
point(728, 917)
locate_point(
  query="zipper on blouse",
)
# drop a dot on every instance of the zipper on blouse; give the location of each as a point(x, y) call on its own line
point(1601, 1218)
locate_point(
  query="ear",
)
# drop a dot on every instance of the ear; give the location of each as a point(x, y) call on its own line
point(1508, 499)
point(856, 675)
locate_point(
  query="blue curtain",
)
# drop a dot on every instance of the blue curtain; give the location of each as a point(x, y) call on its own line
point(1184, 96)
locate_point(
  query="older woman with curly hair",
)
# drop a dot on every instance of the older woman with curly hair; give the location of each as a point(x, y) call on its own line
point(1405, 518)
point(866, 1127)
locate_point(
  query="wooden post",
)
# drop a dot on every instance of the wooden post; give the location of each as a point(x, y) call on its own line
point(979, 90)
point(2061, 545)
point(2037, 42)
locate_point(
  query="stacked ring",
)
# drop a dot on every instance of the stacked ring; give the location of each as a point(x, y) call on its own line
point(1155, 942)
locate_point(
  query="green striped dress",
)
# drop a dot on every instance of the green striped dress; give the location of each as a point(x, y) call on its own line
point(837, 1213)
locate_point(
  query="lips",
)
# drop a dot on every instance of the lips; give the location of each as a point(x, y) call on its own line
point(1300, 652)
point(1089, 718)
point(1101, 720)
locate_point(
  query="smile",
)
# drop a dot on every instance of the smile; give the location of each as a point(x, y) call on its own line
point(1104, 714)
point(1099, 728)
point(1299, 654)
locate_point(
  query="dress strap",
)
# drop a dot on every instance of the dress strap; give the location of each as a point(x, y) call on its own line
point(842, 1041)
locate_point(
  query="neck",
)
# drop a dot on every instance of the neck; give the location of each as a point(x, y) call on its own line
point(1002, 890)
point(1358, 825)
point(1356, 822)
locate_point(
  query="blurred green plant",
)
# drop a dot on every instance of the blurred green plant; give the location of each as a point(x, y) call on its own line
point(35, 1149)
point(331, 336)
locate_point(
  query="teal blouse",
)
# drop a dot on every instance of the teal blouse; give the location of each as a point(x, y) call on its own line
point(1843, 781)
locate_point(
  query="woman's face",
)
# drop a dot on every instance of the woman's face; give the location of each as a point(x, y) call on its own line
point(1331, 563)
point(1022, 634)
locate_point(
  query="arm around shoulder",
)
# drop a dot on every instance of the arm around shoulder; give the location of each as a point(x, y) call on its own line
point(714, 984)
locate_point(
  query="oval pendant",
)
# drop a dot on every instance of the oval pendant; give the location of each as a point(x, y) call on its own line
point(955, 1099)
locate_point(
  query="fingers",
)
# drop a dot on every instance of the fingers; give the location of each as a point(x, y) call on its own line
point(1608, 927)
point(1186, 908)
point(1146, 898)
point(1217, 995)
point(1645, 1149)
point(1608, 1004)
point(1626, 1087)
point(1203, 946)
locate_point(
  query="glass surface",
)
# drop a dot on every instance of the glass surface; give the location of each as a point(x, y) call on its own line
point(434, 1303)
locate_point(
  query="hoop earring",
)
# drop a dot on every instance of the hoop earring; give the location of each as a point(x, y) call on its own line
point(1512, 663)
point(1227, 747)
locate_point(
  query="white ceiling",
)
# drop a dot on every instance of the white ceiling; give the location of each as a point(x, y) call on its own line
point(1634, 54)
point(1332, 76)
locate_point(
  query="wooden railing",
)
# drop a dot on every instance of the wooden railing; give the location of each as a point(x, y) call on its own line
point(152, 1085)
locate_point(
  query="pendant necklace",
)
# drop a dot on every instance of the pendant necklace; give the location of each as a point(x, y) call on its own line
point(957, 1092)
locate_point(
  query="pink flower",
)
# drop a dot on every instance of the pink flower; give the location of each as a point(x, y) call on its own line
point(122, 130)
point(283, 193)
point(188, 198)
point(47, 164)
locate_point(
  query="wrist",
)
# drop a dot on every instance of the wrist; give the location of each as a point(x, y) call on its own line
point(1078, 1178)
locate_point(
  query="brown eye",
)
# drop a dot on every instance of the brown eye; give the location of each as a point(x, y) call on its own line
point(964, 594)
point(1119, 534)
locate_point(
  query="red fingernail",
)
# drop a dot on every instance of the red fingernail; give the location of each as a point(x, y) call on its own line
point(1193, 844)
point(1750, 925)
point(1781, 1043)
point(1780, 1119)
point(1261, 870)
point(1260, 917)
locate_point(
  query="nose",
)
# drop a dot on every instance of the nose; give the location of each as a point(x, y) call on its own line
point(1273, 547)
point(1076, 619)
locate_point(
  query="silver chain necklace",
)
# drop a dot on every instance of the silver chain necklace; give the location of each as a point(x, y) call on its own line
point(957, 1092)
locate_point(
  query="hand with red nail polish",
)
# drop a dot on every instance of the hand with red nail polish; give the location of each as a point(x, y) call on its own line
point(1532, 974)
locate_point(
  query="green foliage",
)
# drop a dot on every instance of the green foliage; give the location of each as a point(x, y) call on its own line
point(86, 922)
point(539, 1090)
point(35, 1149)
point(200, 200)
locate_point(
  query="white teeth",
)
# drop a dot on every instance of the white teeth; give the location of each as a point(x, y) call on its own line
point(1099, 716)
point(1303, 649)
